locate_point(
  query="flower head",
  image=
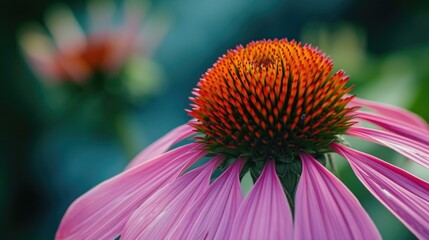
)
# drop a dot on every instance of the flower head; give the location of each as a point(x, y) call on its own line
point(271, 98)
point(273, 109)
point(96, 63)
point(108, 45)
point(73, 55)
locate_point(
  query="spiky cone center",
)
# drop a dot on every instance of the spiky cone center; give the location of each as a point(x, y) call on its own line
point(270, 100)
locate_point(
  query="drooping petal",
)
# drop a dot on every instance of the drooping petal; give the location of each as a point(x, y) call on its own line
point(265, 212)
point(391, 111)
point(416, 151)
point(326, 209)
point(406, 130)
point(102, 212)
point(212, 214)
point(162, 145)
point(156, 217)
point(405, 195)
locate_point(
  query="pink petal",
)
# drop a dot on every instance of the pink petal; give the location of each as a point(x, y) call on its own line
point(156, 217)
point(416, 151)
point(265, 212)
point(212, 214)
point(162, 145)
point(124, 39)
point(102, 212)
point(392, 112)
point(39, 51)
point(46, 69)
point(121, 47)
point(65, 30)
point(326, 209)
point(405, 195)
point(70, 40)
point(406, 130)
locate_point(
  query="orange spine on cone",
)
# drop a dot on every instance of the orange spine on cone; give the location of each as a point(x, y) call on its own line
point(271, 94)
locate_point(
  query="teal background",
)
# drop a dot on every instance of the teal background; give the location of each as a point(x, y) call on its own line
point(382, 45)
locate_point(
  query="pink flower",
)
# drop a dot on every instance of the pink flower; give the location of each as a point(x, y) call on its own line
point(70, 53)
point(272, 109)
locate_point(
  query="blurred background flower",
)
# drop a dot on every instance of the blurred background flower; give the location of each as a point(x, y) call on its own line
point(100, 64)
point(382, 45)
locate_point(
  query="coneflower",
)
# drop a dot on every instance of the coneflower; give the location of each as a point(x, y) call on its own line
point(273, 109)
point(70, 52)
point(75, 55)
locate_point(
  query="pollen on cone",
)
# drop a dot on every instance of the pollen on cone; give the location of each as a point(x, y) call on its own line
point(269, 98)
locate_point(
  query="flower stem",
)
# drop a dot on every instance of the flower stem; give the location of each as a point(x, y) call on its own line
point(332, 164)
